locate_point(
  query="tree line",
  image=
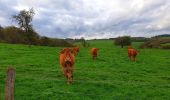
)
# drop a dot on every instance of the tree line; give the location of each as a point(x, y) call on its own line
point(25, 33)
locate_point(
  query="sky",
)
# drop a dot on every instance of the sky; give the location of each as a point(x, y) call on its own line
point(92, 19)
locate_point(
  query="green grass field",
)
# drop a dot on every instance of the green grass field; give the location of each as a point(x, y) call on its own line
point(111, 77)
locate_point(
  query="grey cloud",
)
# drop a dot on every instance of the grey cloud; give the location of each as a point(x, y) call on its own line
point(84, 18)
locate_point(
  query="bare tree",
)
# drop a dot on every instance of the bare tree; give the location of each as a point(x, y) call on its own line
point(24, 19)
point(84, 42)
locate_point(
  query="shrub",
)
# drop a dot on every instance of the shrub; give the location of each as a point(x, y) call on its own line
point(156, 43)
point(14, 35)
point(123, 41)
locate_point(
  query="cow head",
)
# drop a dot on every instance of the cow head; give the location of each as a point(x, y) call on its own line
point(68, 54)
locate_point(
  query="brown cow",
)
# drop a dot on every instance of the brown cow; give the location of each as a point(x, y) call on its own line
point(132, 53)
point(76, 50)
point(94, 52)
point(67, 60)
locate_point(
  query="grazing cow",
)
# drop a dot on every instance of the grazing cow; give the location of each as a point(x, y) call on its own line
point(76, 50)
point(94, 52)
point(132, 53)
point(67, 60)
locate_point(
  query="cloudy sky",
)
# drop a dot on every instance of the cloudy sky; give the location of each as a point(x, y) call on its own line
point(92, 18)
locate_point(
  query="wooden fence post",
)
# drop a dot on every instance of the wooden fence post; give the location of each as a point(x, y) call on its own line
point(10, 84)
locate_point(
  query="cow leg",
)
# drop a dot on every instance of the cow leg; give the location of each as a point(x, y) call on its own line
point(94, 57)
point(130, 57)
point(71, 75)
point(65, 72)
point(68, 79)
point(134, 57)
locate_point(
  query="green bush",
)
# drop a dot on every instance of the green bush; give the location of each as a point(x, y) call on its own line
point(123, 41)
point(14, 35)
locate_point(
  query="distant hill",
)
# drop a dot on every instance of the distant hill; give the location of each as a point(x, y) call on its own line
point(139, 39)
point(163, 35)
point(134, 39)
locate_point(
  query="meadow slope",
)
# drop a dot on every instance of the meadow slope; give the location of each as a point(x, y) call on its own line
point(111, 76)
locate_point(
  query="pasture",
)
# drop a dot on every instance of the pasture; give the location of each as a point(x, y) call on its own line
point(111, 76)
